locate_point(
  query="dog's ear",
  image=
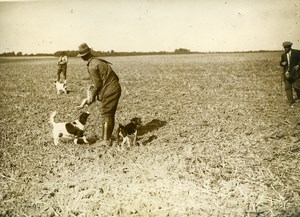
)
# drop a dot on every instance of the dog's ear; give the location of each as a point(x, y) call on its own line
point(136, 120)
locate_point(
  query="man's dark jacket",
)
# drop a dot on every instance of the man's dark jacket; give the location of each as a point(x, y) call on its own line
point(295, 60)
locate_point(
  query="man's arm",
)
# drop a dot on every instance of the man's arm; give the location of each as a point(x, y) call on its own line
point(295, 62)
point(283, 61)
point(298, 59)
point(63, 60)
point(96, 79)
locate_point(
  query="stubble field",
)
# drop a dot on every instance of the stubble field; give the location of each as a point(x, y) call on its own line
point(218, 139)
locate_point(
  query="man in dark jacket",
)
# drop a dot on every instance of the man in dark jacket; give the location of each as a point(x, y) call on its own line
point(107, 88)
point(290, 61)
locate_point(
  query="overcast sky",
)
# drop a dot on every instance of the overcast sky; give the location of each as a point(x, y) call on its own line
point(148, 25)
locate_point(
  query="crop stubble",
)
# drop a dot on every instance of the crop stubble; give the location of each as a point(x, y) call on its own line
point(218, 140)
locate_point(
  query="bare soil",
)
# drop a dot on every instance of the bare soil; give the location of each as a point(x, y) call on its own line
point(218, 139)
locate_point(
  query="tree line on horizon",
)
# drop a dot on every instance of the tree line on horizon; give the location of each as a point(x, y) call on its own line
point(74, 53)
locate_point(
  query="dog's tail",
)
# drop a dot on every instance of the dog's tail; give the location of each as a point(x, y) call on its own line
point(52, 117)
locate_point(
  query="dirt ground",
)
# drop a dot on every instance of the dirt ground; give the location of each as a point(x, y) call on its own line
point(218, 139)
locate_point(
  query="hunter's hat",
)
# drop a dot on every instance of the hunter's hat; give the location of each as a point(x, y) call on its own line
point(83, 50)
point(287, 44)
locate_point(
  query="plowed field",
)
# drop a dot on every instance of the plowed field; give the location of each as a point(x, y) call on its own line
point(218, 139)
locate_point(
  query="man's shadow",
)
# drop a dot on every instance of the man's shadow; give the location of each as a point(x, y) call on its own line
point(149, 127)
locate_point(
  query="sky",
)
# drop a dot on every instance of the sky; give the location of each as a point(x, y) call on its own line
point(148, 25)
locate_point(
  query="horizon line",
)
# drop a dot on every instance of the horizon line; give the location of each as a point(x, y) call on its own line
point(149, 52)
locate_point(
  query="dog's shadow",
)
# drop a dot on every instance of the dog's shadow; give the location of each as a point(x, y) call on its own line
point(150, 139)
point(149, 127)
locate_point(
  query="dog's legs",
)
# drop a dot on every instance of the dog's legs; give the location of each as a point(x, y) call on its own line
point(55, 137)
point(85, 140)
point(56, 140)
point(127, 141)
point(123, 142)
point(135, 136)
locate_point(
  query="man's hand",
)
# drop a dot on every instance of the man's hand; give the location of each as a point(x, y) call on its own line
point(90, 97)
point(89, 101)
point(283, 63)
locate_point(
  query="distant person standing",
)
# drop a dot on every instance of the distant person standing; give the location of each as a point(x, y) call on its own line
point(62, 66)
point(106, 87)
point(290, 61)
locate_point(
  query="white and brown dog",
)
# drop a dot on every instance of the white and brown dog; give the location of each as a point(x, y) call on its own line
point(67, 129)
point(60, 87)
point(128, 131)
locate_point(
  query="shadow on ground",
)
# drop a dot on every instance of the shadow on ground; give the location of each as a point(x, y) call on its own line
point(149, 127)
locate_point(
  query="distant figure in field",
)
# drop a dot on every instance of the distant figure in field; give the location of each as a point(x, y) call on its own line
point(62, 66)
point(105, 86)
point(290, 61)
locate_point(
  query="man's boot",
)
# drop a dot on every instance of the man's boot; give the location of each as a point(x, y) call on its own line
point(106, 133)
